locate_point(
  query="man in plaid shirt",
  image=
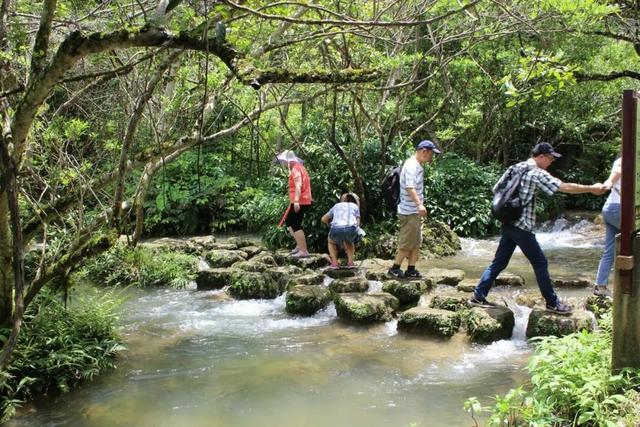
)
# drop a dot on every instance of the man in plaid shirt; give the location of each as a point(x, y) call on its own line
point(520, 232)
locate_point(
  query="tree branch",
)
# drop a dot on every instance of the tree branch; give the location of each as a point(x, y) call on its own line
point(41, 45)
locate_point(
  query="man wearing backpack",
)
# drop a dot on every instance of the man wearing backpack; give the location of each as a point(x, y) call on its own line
point(411, 210)
point(519, 232)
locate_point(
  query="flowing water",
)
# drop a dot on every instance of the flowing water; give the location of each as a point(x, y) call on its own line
point(200, 359)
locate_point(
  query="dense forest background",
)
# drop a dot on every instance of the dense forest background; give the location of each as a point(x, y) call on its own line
point(164, 117)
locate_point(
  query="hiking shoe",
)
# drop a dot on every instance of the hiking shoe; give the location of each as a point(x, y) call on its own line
point(395, 272)
point(560, 308)
point(480, 302)
point(415, 274)
point(601, 291)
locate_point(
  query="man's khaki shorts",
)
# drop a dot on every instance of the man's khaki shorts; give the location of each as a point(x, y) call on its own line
point(410, 232)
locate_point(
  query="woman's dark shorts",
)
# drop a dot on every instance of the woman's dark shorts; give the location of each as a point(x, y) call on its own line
point(341, 235)
point(294, 219)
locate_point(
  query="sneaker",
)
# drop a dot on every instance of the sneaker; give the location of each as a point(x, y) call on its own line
point(560, 308)
point(601, 291)
point(480, 302)
point(351, 265)
point(395, 272)
point(334, 266)
point(415, 274)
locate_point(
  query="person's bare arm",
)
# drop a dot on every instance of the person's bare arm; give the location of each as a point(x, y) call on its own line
point(422, 211)
point(573, 188)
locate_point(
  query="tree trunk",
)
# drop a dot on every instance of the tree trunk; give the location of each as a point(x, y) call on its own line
point(6, 267)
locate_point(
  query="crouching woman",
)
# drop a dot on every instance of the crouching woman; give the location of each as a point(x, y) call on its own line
point(344, 221)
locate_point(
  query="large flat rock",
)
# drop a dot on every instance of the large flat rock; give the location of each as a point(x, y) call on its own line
point(366, 308)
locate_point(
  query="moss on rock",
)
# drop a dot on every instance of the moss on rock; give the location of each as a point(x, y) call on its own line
point(366, 308)
point(350, 284)
point(307, 299)
point(429, 321)
point(485, 325)
point(254, 285)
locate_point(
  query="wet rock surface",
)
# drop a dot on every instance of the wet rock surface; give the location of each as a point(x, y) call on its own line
point(214, 278)
point(509, 279)
point(366, 308)
point(545, 323)
point(307, 299)
point(349, 284)
point(429, 321)
point(485, 325)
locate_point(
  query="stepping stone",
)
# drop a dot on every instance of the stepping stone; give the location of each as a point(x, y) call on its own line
point(467, 285)
point(429, 321)
point(544, 323)
point(265, 258)
point(214, 278)
point(253, 285)
point(568, 283)
point(449, 302)
point(485, 325)
point(241, 242)
point(314, 279)
point(251, 250)
point(307, 300)
point(509, 279)
point(529, 298)
point(379, 276)
point(366, 308)
point(349, 284)
point(313, 261)
point(599, 306)
point(406, 292)
point(442, 276)
point(340, 273)
point(224, 257)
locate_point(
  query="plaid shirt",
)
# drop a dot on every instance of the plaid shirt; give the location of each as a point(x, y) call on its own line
point(532, 180)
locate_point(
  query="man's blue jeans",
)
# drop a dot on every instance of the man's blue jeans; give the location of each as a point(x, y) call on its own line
point(526, 241)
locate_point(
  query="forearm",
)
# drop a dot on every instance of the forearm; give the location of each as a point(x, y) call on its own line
point(414, 196)
point(573, 188)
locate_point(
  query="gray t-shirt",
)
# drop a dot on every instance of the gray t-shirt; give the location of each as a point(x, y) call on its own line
point(344, 214)
point(412, 176)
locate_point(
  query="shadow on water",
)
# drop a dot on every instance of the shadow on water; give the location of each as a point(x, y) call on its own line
point(198, 359)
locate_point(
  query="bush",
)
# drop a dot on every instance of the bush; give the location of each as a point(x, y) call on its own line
point(59, 347)
point(571, 384)
point(142, 267)
point(458, 193)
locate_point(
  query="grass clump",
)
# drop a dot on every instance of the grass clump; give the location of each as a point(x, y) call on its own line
point(59, 347)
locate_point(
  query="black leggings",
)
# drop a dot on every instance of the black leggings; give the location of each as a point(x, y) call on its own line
point(294, 219)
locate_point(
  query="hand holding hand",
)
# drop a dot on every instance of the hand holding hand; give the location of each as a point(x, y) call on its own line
point(599, 189)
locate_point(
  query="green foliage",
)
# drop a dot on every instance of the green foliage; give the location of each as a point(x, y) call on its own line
point(59, 347)
point(458, 193)
point(141, 267)
point(571, 384)
point(193, 196)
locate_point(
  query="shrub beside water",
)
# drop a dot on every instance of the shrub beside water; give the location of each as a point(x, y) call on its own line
point(58, 348)
point(571, 384)
point(141, 266)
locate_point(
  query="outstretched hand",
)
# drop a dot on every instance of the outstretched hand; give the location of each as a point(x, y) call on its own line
point(599, 189)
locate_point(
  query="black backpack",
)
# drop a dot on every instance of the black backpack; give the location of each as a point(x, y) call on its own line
point(391, 187)
point(506, 205)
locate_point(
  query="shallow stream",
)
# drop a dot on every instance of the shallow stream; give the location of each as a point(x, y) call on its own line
point(199, 359)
